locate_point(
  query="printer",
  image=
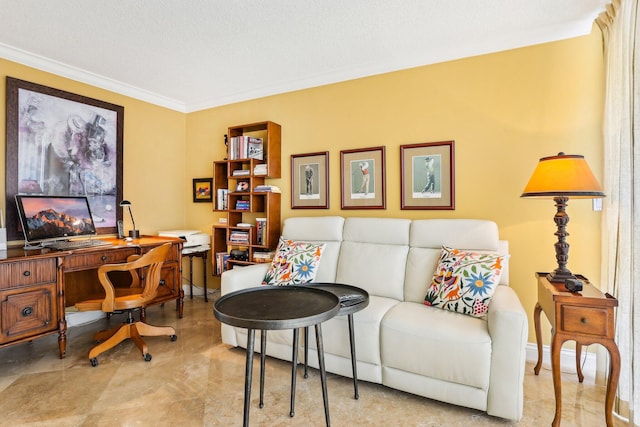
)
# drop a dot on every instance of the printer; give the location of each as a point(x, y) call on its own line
point(193, 237)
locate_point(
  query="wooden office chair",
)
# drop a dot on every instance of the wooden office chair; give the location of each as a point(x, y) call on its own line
point(143, 289)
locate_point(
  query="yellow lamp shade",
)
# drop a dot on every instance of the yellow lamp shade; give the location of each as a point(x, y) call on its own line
point(563, 175)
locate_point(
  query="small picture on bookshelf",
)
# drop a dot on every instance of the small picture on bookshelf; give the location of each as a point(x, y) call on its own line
point(202, 190)
point(242, 186)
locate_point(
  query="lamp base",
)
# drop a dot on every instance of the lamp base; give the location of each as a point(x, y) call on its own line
point(134, 234)
point(560, 276)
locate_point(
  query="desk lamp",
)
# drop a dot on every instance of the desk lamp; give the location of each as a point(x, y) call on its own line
point(132, 233)
point(562, 177)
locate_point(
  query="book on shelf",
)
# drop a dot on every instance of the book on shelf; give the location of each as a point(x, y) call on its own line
point(261, 231)
point(240, 172)
point(221, 262)
point(221, 199)
point(245, 147)
point(255, 149)
point(239, 237)
point(242, 205)
point(267, 189)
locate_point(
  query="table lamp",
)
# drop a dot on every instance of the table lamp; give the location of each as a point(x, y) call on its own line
point(132, 233)
point(562, 177)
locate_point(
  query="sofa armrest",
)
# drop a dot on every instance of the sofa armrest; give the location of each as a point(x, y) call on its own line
point(508, 327)
point(234, 280)
point(243, 277)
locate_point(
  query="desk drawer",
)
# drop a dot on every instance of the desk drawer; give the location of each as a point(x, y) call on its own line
point(27, 311)
point(173, 255)
point(586, 320)
point(90, 260)
point(22, 273)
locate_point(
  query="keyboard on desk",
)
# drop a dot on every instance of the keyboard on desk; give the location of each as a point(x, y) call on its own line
point(78, 244)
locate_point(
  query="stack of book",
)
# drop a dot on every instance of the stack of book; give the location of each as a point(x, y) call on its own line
point(241, 172)
point(242, 205)
point(237, 236)
point(246, 147)
point(260, 169)
point(267, 188)
point(263, 256)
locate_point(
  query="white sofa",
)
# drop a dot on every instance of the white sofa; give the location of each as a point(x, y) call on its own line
point(400, 342)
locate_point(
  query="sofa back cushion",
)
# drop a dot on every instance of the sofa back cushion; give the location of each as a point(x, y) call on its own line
point(374, 255)
point(426, 239)
point(324, 229)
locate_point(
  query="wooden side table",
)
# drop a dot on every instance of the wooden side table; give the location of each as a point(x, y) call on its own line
point(197, 254)
point(586, 317)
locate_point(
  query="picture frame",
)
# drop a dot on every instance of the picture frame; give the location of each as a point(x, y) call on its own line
point(202, 190)
point(362, 178)
point(60, 143)
point(310, 180)
point(428, 176)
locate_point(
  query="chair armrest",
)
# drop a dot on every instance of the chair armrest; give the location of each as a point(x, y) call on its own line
point(508, 328)
point(243, 277)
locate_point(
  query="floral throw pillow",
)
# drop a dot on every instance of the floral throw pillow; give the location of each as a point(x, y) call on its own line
point(464, 281)
point(294, 263)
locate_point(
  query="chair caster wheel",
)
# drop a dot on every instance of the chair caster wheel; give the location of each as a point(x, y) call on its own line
point(93, 361)
point(173, 337)
point(147, 357)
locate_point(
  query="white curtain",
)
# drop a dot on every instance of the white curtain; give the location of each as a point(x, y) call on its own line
point(621, 213)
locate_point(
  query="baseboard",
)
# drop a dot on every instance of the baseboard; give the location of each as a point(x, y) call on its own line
point(78, 318)
point(567, 360)
point(197, 290)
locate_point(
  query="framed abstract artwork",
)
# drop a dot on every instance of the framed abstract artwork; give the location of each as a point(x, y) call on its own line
point(310, 180)
point(427, 176)
point(202, 190)
point(63, 144)
point(362, 178)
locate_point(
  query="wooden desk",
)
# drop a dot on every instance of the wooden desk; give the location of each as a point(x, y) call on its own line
point(585, 317)
point(37, 285)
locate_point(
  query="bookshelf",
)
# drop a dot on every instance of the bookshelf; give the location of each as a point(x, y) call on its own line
point(252, 220)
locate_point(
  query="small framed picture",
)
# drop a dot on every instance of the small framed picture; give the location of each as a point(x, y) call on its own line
point(310, 181)
point(427, 176)
point(202, 190)
point(362, 178)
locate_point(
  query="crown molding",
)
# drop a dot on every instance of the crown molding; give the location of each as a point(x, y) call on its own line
point(60, 69)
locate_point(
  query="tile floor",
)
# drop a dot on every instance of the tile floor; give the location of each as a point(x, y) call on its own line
point(198, 381)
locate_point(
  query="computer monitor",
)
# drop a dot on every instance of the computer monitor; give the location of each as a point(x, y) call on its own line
point(50, 218)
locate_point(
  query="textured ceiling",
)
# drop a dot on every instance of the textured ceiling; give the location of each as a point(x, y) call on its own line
point(190, 55)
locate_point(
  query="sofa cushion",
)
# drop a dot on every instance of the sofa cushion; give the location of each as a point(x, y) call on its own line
point(294, 263)
point(366, 326)
point(373, 255)
point(323, 229)
point(436, 344)
point(476, 234)
point(464, 281)
point(421, 263)
point(378, 269)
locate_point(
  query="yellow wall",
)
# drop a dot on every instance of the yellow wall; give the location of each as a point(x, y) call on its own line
point(153, 158)
point(504, 111)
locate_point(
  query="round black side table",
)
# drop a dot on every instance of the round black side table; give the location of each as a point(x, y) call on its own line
point(352, 299)
point(273, 308)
